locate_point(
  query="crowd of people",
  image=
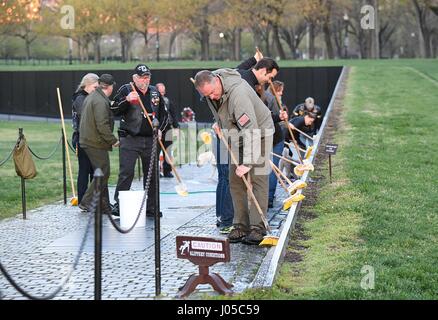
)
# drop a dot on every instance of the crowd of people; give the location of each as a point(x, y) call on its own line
point(251, 123)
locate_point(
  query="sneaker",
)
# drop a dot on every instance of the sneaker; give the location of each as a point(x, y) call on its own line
point(168, 175)
point(255, 236)
point(236, 235)
point(225, 230)
point(83, 208)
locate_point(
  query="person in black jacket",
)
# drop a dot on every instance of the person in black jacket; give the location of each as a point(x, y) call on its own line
point(170, 127)
point(135, 132)
point(88, 84)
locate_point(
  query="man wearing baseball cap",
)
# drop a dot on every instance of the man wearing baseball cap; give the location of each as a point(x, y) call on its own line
point(96, 138)
point(135, 132)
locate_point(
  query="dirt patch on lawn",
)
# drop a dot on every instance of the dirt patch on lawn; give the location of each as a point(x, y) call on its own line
point(297, 243)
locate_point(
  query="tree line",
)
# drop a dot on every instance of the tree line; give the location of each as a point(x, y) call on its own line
point(282, 28)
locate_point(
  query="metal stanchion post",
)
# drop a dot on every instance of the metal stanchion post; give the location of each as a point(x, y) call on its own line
point(23, 183)
point(64, 169)
point(98, 176)
point(157, 235)
point(138, 168)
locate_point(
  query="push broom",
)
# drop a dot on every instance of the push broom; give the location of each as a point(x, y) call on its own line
point(299, 167)
point(74, 200)
point(180, 188)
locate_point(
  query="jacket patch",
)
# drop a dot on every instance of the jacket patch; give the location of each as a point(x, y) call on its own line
point(243, 121)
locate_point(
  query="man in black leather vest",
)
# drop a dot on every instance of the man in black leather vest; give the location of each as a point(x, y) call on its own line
point(135, 132)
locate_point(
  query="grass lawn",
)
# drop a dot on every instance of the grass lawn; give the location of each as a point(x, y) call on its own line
point(381, 214)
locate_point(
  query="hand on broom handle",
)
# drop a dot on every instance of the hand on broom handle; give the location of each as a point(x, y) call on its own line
point(303, 133)
point(169, 160)
point(280, 106)
point(74, 200)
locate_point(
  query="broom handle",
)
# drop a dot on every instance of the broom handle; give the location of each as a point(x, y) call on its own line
point(291, 145)
point(278, 176)
point(178, 178)
point(285, 159)
point(304, 134)
point(277, 99)
point(281, 173)
point(65, 142)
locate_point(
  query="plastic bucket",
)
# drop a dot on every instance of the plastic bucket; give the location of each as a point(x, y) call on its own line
point(130, 203)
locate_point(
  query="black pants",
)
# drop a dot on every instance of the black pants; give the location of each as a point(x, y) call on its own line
point(99, 159)
point(130, 149)
point(85, 173)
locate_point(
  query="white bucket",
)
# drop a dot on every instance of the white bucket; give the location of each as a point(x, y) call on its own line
point(130, 203)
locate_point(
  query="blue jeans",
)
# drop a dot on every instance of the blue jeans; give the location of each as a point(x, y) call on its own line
point(224, 203)
point(278, 149)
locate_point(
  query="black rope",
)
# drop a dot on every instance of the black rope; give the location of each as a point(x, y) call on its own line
point(8, 157)
point(50, 155)
point(148, 180)
point(71, 147)
point(62, 285)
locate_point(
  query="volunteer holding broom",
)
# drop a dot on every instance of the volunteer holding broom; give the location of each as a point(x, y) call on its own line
point(136, 133)
point(237, 108)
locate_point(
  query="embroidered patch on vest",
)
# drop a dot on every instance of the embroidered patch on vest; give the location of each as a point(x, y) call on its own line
point(243, 121)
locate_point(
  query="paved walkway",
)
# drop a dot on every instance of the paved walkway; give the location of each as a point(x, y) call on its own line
point(39, 252)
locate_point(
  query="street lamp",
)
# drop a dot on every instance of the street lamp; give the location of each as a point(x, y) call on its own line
point(157, 43)
point(346, 40)
point(221, 36)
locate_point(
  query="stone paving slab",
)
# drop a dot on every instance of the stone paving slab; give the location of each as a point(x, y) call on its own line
point(39, 252)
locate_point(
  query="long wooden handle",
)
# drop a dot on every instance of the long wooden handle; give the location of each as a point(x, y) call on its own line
point(178, 178)
point(278, 176)
point(281, 173)
point(65, 142)
point(290, 144)
point(286, 123)
point(303, 133)
point(285, 159)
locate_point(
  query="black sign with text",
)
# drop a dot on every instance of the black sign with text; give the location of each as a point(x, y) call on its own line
point(331, 148)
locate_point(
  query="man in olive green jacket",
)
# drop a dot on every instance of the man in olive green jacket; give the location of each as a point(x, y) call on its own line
point(245, 119)
point(97, 138)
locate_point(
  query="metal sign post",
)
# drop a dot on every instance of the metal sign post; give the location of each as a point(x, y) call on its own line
point(204, 252)
point(331, 149)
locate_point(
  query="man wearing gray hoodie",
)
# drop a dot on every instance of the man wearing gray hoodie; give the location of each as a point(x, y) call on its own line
point(243, 118)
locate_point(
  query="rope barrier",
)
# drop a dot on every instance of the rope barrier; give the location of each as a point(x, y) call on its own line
point(8, 157)
point(148, 180)
point(50, 155)
point(66, 279)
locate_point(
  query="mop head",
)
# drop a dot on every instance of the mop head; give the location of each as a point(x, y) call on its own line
point(204, 158)
point(297, 185)
point(308, 152)
point(181, 190)
point(74, 201)
point(287, 203)
point(206, 137)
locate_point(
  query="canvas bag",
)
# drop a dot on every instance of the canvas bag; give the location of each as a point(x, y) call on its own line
point(24, 165)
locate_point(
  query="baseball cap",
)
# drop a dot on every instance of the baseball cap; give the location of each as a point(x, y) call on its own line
point(309, 103)
point(107, 79)
point(142, 70)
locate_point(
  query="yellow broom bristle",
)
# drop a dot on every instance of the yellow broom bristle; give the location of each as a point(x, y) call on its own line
point(287, 203)
point(74, 201)
point(308, 152)
point(269, 241)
